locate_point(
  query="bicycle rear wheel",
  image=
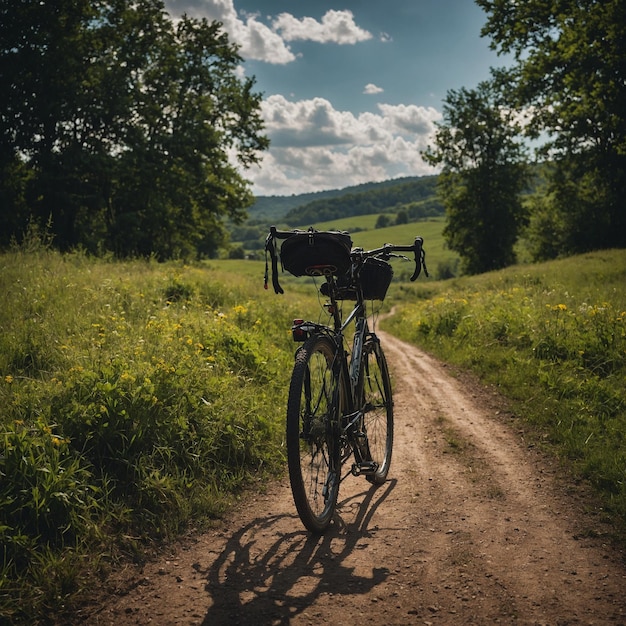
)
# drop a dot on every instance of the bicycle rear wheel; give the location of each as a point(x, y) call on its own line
point(313, 432)
point(375, 393)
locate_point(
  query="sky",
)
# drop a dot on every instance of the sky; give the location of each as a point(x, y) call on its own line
point(351, 89)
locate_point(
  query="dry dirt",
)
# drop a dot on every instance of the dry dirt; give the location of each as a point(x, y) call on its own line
point(474, 526)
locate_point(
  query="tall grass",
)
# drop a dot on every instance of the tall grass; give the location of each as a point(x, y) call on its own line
point(134, 398)
point(552, 337)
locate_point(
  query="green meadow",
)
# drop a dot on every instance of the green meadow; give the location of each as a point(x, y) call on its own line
point(136, 399)
point(552, 338)
point(140, 399)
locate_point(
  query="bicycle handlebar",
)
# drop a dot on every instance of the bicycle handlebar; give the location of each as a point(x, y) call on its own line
point(417, 247)
point(384, 251)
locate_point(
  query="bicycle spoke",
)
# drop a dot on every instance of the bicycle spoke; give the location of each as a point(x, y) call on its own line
point(377, 425)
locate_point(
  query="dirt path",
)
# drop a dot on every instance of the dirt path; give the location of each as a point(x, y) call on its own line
point(472, 527)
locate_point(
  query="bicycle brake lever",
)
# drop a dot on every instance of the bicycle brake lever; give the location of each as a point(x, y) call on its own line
point(420, 258)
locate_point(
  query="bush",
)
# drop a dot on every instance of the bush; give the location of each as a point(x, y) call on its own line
point(117, 417)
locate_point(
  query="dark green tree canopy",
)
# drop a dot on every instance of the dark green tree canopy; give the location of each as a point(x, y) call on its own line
point(568, 76)
point(123, 125)
point(482, 176)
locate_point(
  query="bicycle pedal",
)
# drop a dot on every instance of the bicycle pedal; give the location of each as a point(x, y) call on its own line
point(367, 468)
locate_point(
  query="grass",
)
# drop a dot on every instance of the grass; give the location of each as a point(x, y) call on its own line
point(118, 419)
point(552, 337)
point(138, 398)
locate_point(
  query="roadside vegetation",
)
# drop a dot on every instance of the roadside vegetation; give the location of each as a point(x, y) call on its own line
point(136, 399)
point(552, 338)
point(139, 399)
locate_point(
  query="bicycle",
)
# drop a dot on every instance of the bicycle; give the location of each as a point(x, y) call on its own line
point(340, 403)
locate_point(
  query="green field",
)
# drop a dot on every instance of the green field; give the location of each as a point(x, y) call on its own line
point(137, 398)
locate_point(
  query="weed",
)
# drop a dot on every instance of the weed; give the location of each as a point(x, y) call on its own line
point(117, 417)
point(553, 338)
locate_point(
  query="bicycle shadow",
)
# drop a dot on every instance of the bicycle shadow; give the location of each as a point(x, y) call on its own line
point(249, 584)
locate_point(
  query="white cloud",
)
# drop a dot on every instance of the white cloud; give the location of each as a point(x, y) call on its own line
point(316, 147)
point(313, 145)
point(260, 42)
point(335, 27)
point(371, 89)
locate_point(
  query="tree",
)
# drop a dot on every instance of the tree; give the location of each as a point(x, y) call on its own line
point(568, 76)
point(382, 221)
point(402, 217)
point(482, 177)
point(128, 123)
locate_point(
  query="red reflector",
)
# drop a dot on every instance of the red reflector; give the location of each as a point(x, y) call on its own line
point(299, 334)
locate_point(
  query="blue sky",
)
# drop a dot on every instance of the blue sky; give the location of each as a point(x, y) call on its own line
point(352, 88)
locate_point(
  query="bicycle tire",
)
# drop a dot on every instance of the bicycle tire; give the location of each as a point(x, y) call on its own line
point(313, 432)
point(376, 395)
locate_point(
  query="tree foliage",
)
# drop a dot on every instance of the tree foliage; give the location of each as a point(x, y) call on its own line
point(121, 125)
point(482, 177)
point(568, 76)
point(417, 195)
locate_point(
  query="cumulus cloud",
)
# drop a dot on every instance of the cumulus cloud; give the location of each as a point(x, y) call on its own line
point(261, 42)
point(313, 145)
point(316, 147)
point(335, 27)
point(371, 89)
point(256, 40)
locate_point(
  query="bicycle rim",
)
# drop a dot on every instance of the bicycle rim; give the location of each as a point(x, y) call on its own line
point(312, 433)
point(378, 411)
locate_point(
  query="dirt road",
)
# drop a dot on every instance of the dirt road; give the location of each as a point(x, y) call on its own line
point(472, 527)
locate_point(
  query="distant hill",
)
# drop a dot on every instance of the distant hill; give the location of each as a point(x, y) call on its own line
point(416, 196)
point(275, 208)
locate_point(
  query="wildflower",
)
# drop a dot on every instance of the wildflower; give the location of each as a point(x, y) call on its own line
point(8, 379)
point(126, 377)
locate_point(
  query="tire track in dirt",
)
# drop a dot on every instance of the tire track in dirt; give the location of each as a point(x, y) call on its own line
point(472, 527)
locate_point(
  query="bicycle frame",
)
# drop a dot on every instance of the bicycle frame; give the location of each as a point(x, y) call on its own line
point(349, 367)
point(340, 402)
point(336, 333)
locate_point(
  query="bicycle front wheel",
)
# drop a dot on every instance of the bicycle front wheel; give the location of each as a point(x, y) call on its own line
point(375, 393)
point(313, 432)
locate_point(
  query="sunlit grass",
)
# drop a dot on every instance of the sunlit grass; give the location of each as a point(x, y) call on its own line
point(552, 337)
point(134, 398)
